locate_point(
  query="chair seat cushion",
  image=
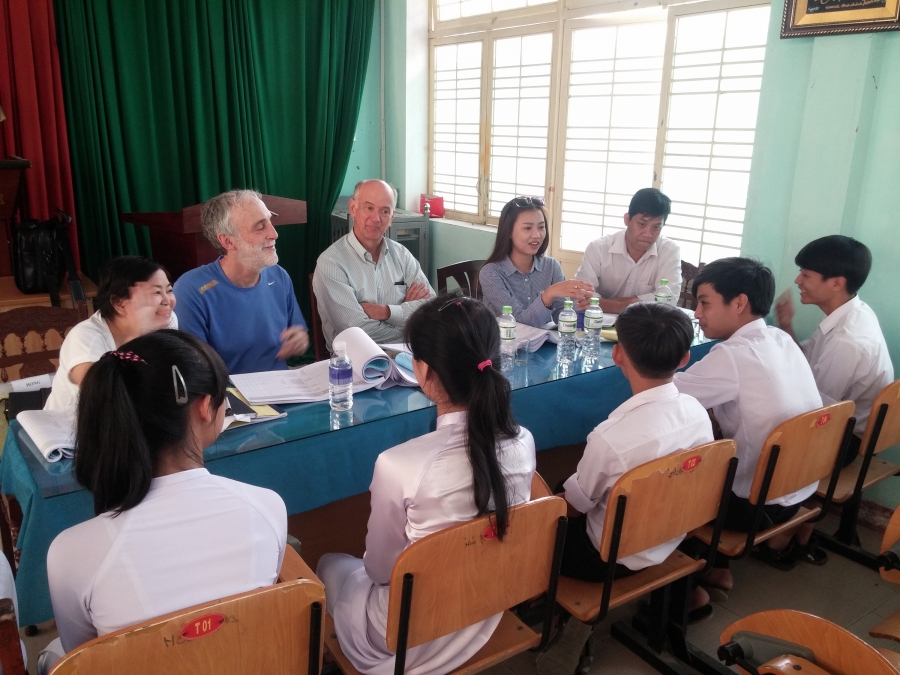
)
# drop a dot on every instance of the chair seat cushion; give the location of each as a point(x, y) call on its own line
point(582, 598)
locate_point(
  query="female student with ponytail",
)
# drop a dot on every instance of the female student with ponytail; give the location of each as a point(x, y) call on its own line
point(477, 461)
point(168, 534)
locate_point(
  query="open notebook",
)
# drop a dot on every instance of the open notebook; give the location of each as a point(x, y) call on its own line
point(53, 431)
point(372, 368)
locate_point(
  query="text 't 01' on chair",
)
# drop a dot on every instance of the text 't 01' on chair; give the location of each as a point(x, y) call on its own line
point(882, 432)
point(275, 630)
point(465, 274)
point(782, 641)
point(648, 506)
point(486, 576)
point(803, 450)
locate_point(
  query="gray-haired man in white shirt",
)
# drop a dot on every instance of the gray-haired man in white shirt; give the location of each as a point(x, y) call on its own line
point(847, 353)
point(627, 266)
point(365, 279)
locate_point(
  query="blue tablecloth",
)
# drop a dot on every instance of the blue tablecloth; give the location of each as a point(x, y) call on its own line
point(313, 456)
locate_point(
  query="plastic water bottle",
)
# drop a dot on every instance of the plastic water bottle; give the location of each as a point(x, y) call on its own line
point(593, 322)
point(507, 324)
point(567, 346)
point(340, 379)
point(664, 293)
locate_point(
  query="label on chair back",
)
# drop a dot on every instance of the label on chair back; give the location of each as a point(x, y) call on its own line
point(202, 626)
point(691, 463)
point(823, 420)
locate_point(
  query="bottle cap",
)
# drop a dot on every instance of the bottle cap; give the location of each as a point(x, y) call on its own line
point(507, 309)
point(567, 304)
point(340, 346)
point(663, 282)
point(595, 302)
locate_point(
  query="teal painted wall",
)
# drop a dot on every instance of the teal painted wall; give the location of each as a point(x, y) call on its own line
point(827, 161)
point(452, 243)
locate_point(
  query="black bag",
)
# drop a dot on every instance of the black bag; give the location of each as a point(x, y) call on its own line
point(41, 255)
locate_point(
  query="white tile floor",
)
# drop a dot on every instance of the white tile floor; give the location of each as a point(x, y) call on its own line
point(841, 591)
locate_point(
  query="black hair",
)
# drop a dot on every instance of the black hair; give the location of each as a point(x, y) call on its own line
point(730, 277)
point(117, 278)
point(508, 216)
point(655, 336)
point(837, 256)
point(650, 202)
point(453, 335)
point(128, 414)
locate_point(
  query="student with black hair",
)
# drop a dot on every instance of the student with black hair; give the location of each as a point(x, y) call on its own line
point(654, 341)
point(753, 380)
point(847, 352)
point(477, 461)
point(518, 272)
point(167, 534)
point(134, 297)
point(626, 267)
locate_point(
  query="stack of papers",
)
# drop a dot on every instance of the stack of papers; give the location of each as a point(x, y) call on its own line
point(239, 412)
point(53, 431)
point(372, 368)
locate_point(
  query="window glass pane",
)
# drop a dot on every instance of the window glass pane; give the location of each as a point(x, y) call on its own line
point(710, 127)
point(610, 128)
point(457, 116)
point(455, 9)
point(520, 119)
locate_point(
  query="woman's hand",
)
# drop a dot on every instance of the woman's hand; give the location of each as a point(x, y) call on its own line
point(581, 293)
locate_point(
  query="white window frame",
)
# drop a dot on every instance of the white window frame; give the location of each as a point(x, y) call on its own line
point(560, 19)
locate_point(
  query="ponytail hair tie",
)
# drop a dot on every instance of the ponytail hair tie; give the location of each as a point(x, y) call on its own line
point(126, 356)
point(487, 363)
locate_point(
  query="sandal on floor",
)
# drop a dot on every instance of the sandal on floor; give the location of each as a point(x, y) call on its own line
point(700, 614)
point(811, 554)
point(781, 560)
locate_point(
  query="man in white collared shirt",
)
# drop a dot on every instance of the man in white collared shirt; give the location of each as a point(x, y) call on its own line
point(753, 381)
point(626, 267)
point(847, 353)
point(365, 279)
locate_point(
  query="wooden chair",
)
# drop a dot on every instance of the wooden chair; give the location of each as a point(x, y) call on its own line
point(465, 274)
point(487, 577)
point(31, 337)
point(274, 630)
point(10, 649)
point(318, 335)
point(688, 273)
point(836, 651)
point(889, 564)
point(803, 450)
point(882, 432)
point(539, 487)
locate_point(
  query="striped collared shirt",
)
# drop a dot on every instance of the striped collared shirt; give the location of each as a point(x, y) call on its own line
point(503, 284)
point(347, 275)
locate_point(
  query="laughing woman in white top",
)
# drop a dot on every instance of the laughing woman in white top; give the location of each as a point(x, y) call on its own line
point(477, 461)
point(134, 297)
point(167, 535)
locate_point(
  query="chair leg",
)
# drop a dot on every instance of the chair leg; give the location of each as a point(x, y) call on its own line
point(845, 541)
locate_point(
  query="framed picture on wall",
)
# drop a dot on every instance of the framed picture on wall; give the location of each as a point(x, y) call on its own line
point(837, 17)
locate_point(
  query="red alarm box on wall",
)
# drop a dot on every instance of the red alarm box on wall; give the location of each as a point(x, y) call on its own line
point(435, 203)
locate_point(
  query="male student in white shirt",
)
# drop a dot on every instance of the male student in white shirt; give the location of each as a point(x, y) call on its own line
point(626, 267)
point(847, 353)
point(753, 381)
point(654, 341)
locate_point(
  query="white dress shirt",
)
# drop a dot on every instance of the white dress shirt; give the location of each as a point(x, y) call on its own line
point(849, 358)
point(753, 381)
point(194, 538)
point(614, 273)
point(420, 487)
point(649, 425)
point(347, 275)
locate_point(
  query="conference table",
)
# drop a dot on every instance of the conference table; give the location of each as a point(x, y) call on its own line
point(313, 456)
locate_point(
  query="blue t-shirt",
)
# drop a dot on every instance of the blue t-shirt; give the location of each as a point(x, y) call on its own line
point(242, 324)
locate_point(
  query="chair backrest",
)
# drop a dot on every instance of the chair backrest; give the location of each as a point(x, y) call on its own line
point(539, 487)
point(465, 274)
point(11, 659)
point(838, 651)
point(270, 630)
point(487, 576)
point(808, 449)
point(889, 434)
point(667, 497)
point(30, 337)
point(318, 335)
point(686, 299)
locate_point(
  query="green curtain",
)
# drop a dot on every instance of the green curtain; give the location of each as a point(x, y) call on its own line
point(170, 102)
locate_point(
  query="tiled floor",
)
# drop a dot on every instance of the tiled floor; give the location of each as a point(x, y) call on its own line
point(841, 591)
